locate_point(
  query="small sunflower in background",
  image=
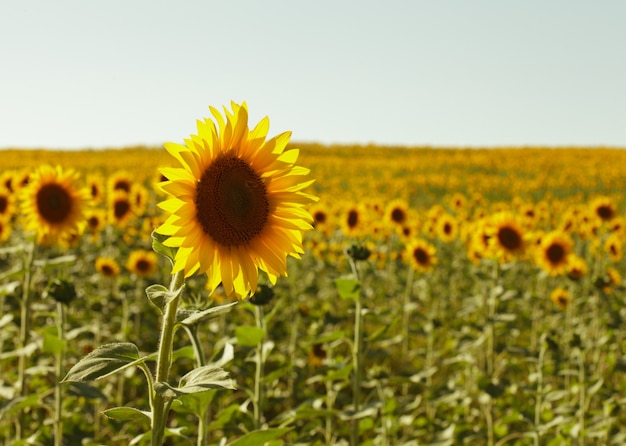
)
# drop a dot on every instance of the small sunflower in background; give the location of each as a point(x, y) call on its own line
point(604, 208)
point(447, 228)
point(96, 185)
point(506, 236)
point(237, 203)
point(397, 212)
point(54, 204)
point(353, 220)
point(614, 247)
point(143, 263)
point(577, 267)
point(422, 255)
point(560, 297)
point(7, 203)
point(120, 208)
point(120, 181)
point(107, 267)
point(553, 253)
point(5, 230)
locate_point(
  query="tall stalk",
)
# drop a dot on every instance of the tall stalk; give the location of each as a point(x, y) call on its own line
point(58, 390)
point(164, 360)
point(24, 332)
point(357, 351)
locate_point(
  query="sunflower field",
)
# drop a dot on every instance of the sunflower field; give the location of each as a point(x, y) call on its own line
point(428, 297)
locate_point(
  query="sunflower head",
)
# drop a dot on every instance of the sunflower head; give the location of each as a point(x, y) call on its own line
point(236, 205)
point(506, 236)
point(604, 208)
point(553, 253)
point(53, 204)
point(107, 267)
point(143, 263)
point(422, 255)
point(560, 297)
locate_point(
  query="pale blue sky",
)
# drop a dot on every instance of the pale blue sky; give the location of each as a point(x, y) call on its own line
point(77, 74)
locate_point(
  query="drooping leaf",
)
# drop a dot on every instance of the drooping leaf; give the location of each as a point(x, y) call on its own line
point(128, 414)
point(188, 317)
point(104, 361)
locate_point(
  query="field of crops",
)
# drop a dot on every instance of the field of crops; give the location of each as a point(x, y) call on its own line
point(444, 297)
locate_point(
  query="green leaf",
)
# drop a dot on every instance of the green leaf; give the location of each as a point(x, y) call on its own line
point(348, 288)
point(223, 417)
point(52, 343)
point(198, 380)
point(160, 248)
point(257, 438)
point(128, 414)
point(104, 361)
point(157, 295)
point(249, 336)
point(190, 317)
point(62, 260)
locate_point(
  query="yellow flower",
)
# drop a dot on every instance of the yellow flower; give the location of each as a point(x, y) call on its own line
point(53, 204)
point(237, 204)
point(121, 209)
point(553, 253)
point(6, 203)
point(560, 297)
point(396, 212)
point(604, 208)
point(422, 255)
point(107, 267)
point(613, 245)
point(447, 228)
point(506, 236)
point(142, 263)
point(5, 230)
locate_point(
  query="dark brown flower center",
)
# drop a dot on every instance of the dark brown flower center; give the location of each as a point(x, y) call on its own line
point(398, 215)
point(421, 256)
point(509, 238)
point(447, 228)
point(4, 204)
point(605, 212)
point(353, 218)
point(121, 207)
point(231, 202)
point(319, 217)
point(107, 270)
point(555, 253)
point(143, 265)
point(122, 185)
point(54, 203)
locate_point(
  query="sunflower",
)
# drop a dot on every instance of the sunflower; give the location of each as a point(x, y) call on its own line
point(95, 184)
point(447, 228)
point(5, 230)
point(121, 209)
point(396, 212)
point(353, 220)
point(7, 207)
point(506, 236)
point(604, 208)
point(107, 267)
point(613, 245)
point(142, 263)
point(577, 267)
point(53, 204)
point(96, 220)
point(120, 180)
point(321, 218)
point(560, 296)
point(422, 255)
point(553, 253)
point(237, 203)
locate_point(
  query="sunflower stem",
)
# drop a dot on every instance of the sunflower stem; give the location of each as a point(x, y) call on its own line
point(356, 357)
point(164, 360)
point(258, 377)
point(58, 390)
point(24, 332)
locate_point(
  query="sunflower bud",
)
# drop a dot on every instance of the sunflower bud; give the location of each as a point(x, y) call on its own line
point(61, 290)
point(358, 252)
point(262, 296)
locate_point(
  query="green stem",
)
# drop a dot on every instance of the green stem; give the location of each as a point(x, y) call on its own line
point(164, 360)
point(58, 390)
point(356, 357)
point(24, 333)
point(258, 376)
